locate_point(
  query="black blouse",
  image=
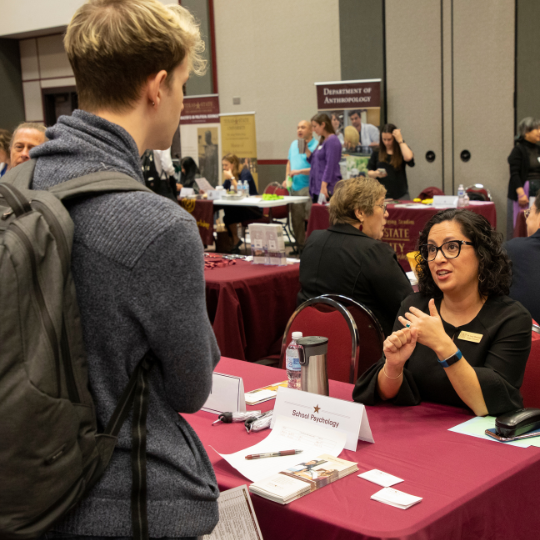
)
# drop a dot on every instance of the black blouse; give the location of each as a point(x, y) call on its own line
point(395, 181)
point(499, 359)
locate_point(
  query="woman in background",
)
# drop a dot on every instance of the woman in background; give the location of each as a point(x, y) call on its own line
point(388, 163)
point(461, 340)
point(524, 161)
point(190, 171)
point(325, 173)
point(349, 257)
point(234, 215)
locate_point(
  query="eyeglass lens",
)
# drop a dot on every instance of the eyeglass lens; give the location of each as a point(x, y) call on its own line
point(450, 250)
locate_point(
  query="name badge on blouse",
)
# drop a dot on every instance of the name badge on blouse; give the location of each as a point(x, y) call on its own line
point(470, 336)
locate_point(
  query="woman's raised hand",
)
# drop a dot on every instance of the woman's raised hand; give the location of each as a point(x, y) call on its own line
point(397, 135)
point(398, 347)
point(430, 329)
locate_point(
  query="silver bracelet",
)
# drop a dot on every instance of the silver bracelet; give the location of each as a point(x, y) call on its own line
point(391, 378)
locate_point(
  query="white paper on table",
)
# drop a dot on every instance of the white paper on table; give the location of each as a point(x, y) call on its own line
point(237, 519)
point(227, 394)
point(381, 478)
point(259, 396)
point(186, 192)
point(288, 434)
point(396, 498)
point(204, 184)
point(321, 199)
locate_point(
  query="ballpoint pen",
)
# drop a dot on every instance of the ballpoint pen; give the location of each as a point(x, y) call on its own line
point(274, 454)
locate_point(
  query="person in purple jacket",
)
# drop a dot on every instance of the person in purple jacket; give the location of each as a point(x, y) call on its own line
point(325, 173)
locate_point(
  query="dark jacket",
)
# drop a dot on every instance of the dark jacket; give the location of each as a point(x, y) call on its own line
point(498, 360)
point(525, 255)
point(519, 167)
point(343, 260)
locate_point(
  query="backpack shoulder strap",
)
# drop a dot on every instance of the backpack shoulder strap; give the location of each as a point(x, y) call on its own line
point(99, 182)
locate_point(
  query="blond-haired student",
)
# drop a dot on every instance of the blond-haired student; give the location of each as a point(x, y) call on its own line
point(137, 262)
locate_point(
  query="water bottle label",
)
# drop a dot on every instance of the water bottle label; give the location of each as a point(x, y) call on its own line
point(293, 363)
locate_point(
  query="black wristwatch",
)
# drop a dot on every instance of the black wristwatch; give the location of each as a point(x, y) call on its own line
point(447, 362)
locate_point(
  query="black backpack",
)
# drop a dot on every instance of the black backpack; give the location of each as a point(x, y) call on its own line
point(50, 452)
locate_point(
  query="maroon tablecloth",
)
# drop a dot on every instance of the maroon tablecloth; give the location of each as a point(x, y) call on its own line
point(203, 211)
point(471, 488)
point(520, 230)
point(249, 306)
point(403, 225)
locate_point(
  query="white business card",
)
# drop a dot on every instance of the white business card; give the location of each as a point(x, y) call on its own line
point(381, 478)
point(396, 498)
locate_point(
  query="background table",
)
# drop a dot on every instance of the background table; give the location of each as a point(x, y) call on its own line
point(259, 203)
point(203, 212)
point(472, 488)
point(249, 306)
point(403, 225)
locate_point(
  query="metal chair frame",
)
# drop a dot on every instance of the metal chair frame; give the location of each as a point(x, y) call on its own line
point(479, 186)
point(347, 302)
point(536, 328)
point(351, 323)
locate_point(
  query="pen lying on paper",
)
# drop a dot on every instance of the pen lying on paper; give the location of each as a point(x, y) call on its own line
point(274, 454)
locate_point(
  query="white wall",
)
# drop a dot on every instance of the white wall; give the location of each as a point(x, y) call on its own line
point(270, 54)
point(30, 16)
point(44, 64)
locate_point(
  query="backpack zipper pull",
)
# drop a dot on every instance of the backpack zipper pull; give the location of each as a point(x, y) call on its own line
point(5, 215)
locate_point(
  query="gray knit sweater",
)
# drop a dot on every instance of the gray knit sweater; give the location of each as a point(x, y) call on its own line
point(137, 263)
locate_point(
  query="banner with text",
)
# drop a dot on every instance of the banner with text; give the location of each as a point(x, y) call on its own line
point(200, 135)
point(238, 138)
point(352, 103)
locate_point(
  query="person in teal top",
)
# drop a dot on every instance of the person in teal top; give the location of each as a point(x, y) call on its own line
point(298, 168)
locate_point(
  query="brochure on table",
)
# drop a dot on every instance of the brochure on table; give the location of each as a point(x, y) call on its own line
point(339, 415)
point(227, 394)
point(288, 434)
point(237, 518)
point(445, 201)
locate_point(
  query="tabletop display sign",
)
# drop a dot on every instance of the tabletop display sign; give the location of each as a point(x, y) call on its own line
point(227, 394)
point(346, 416)
point(445, 201)
point(353, 103)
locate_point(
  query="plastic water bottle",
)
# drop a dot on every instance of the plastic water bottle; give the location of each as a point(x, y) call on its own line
point(246, 188)
point(461, 196)
point(294, 370)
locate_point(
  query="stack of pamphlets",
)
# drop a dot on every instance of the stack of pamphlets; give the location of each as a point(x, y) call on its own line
point(297, 481)
point(265, 393)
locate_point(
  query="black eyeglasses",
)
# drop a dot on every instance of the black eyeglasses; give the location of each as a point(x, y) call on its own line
point(527, 213)
point(450, 250)
point(383, 206)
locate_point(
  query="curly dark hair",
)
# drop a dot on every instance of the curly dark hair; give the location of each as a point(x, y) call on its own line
point(494, 265)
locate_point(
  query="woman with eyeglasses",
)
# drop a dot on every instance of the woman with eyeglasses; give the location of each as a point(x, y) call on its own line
point(349, 257)
point(461, 340)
